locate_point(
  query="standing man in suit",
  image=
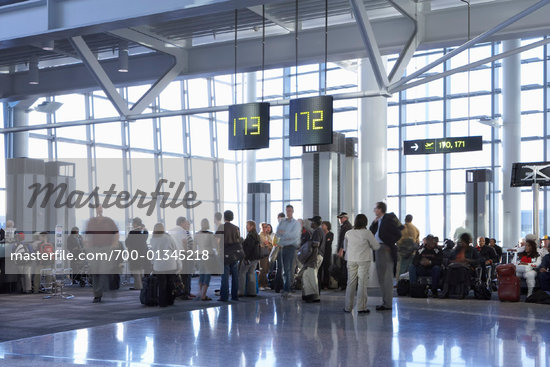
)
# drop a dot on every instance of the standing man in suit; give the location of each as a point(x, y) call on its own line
point(387, 231)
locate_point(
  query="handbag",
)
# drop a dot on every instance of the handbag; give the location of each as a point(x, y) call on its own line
point(305, 252)
point(178, 288)
point(274, 253)
point(236, 253)
point(264, 252)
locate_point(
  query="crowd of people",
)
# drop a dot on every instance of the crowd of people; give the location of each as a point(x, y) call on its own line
point(466, 259)
point(297, 255)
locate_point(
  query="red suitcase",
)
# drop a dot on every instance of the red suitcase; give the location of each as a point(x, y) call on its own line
point(508, 283)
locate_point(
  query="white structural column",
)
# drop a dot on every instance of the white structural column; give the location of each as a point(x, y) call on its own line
point(250, 154)
point(372, 145)
point(20, 118)
point(511, 143)
point(373, 169)
point(20, 139)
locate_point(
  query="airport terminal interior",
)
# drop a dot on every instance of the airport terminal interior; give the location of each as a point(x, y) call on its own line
point(274, 183)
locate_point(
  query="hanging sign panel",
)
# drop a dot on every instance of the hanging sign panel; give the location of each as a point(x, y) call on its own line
point(445, 145)
point(526, 174)
point(311, 121)
point(248, 126)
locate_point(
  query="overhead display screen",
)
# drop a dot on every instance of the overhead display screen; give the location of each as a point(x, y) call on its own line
point(311, 121)
point(248, 126)
point(526, 174)
point(445, 145)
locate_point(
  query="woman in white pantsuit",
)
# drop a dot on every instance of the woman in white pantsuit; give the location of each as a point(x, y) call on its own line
point(530, 259)
point(358, 246)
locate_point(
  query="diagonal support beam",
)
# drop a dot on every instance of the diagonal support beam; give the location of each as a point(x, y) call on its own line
point(408, 10)
point(156, 44)
point(482, 37)
point(107, 85)
point(367, 34)
point(89, 59)
point(472, 65)
point(285, 25)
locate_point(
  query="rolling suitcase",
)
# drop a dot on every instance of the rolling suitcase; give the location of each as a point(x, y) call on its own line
point(508, 283)
point(149, 295)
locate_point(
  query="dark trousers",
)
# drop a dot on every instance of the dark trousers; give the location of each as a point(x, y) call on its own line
point(343, 278)
point(544, 280)
point(233, 270)
point(100, 283)
point(434, 272)
point(186, 280)
point(166, 287)
point(323, 274)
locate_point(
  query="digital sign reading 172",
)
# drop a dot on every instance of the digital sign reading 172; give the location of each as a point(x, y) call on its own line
point(311, 121)
point(248, 126)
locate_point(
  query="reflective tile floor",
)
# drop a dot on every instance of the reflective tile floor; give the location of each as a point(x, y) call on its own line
point(277, 332)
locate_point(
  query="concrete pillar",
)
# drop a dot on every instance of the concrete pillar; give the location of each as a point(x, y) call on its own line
point(511, 143)
point(20, 118)
point(21, 139)
point(372, 145)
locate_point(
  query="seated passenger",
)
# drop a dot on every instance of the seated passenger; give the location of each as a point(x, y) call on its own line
point(497, 248)
point(427, 261)
point(543, 248)
point(463, 262)
point(464, 253)
point(487, 255)
point(448, 249)
point(529, 260)
point(544, 273)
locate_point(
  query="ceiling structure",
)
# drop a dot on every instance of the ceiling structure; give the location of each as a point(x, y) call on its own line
point(203, 32)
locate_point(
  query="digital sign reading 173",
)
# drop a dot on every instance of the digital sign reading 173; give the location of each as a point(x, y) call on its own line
point(248, 126)
point(311, 121)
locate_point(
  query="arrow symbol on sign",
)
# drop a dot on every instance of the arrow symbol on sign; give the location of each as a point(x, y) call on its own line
point(415, 147)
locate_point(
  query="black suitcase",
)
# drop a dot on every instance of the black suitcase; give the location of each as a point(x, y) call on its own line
point(403, 287)
point(149, 295)
point(418, 290)
point(273, 283)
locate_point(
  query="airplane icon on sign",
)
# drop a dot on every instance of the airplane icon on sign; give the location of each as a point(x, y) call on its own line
point(429, 145)
point(536, 174)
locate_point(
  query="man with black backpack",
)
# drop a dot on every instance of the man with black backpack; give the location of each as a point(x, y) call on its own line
point(387, 231)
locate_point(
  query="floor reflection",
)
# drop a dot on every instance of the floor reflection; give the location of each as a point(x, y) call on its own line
point(274, 332)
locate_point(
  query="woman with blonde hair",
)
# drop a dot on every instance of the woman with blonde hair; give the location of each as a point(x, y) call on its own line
point(266, 243)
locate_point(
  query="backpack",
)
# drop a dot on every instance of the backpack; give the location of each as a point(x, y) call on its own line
point(403, 287)
point(481, 291)
point(304, 252)
point(20, 248)
point(458, 280)
point(539, 296)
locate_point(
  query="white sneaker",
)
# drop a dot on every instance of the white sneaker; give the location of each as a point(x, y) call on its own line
point(262, 288)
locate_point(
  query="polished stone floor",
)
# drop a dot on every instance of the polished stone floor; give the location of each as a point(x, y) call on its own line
point(277, 332)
